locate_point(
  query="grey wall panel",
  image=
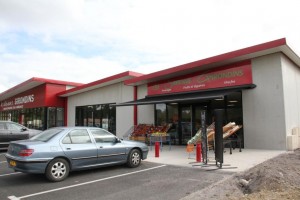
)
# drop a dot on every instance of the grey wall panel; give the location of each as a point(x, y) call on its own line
point(263, 106)
point(291, 84)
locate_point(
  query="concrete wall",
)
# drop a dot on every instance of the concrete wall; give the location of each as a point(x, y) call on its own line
point(145, 112)
point(263, 106)
point(115, 93)
point(291, 84)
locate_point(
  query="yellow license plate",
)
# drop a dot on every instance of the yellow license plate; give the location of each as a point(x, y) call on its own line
point(12, 163)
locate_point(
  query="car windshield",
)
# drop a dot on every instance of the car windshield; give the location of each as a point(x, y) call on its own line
point(46, 135)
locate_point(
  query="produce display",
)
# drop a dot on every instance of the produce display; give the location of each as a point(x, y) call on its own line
point(228, 130)
point(142, 132)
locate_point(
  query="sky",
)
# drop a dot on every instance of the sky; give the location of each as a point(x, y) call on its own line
point(87, 40)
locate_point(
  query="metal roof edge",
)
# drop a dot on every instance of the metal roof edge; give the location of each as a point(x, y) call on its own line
point(234, 56)
point(100, 83)
point(38, 81)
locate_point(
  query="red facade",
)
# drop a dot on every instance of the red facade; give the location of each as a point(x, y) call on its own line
point(41, 96)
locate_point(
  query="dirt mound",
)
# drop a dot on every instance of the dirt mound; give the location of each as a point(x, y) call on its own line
point(274, 179)
point(277, 178)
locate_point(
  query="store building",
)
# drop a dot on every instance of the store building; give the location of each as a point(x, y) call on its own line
point(258, 88)
point(35, 104)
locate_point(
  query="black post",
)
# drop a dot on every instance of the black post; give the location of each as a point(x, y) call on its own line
point(204, 136)
point(219, 136)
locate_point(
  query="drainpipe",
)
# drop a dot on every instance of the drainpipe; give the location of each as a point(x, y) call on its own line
point(135, 110)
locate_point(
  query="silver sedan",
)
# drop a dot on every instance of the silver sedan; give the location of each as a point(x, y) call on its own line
point(57, 151)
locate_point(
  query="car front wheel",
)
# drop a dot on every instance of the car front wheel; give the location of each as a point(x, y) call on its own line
point(57, 170)
point(134, 158)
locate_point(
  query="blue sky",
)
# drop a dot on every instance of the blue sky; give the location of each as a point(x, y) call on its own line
point(86, 40)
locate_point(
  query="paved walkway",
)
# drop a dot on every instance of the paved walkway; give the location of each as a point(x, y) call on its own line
point(235, 162)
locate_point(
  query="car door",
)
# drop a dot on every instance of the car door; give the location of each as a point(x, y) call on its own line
point(3, 135)
point(78, 146)
point(16, 132)
point(110, 149)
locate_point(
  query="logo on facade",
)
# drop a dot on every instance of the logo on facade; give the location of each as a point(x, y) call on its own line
point(226, 77)
point(17, 103)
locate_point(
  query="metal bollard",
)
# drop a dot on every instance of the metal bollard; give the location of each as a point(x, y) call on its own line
point(157, 149)
point(198, 152)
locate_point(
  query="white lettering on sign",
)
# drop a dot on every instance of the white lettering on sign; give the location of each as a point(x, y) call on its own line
point(17, 103)
point(13, 107)
point(25, 99)
point(7, 103)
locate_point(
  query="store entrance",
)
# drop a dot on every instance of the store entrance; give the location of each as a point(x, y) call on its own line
point(184, 118)
point(189, 121)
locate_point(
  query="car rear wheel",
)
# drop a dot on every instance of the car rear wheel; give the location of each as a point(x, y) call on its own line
point(134, 158)
point(57, 170)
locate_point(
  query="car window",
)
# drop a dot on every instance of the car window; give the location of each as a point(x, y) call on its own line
point(46, 135)
point(67, 140)
point(102, 136)
point(77, 136)
point(2, 126)
point(15, 127)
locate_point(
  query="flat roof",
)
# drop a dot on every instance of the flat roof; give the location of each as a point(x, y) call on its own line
point(101, 83)
point(32, 83)
point(248, 53)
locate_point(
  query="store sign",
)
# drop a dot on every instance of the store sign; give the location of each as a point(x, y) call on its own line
point(226, 77)
point(17, 103)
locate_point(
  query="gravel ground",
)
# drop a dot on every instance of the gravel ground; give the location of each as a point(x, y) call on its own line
point(274, 179)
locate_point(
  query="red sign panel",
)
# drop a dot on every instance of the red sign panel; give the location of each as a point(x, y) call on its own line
point(225, 77)
point(41, 96)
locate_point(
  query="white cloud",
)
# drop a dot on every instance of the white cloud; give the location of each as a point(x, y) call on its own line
point(35, 16)
point(54, 65)
point(83, 41)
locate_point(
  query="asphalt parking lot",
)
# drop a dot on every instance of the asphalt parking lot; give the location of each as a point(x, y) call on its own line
point(148, 181)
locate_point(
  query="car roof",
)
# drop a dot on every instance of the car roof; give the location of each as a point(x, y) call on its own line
point(77, 127)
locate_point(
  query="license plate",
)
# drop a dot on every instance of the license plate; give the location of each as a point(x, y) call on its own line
point(12, 163)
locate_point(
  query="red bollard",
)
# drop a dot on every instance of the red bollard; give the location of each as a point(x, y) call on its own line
point(198, 152)
point(156, 149)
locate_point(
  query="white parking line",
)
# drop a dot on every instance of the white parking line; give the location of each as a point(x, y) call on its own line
point(3, 162)
point(12, 197)
point(10, 174)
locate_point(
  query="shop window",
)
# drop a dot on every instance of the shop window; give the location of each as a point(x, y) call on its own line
point(55, 117)
point(102, 116)
point(79, 116)
point(105, 116)
point(31, 117)
point(160, 114)
point(98, 116)
point(51, 117)
point(89, 116)
point(60, 117)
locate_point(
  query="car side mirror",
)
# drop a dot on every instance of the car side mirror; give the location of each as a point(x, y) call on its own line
point(24, 129)
point(118, 140)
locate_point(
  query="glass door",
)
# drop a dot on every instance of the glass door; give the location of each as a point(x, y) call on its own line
point(197, 119)
point(190, 121)
point(186, 124)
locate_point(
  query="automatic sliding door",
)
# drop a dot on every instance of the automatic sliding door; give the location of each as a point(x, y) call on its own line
point(190, 121)
point(186, 124)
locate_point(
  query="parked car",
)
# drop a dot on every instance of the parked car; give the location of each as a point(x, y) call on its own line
point(57, 151)
point(10, 131)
